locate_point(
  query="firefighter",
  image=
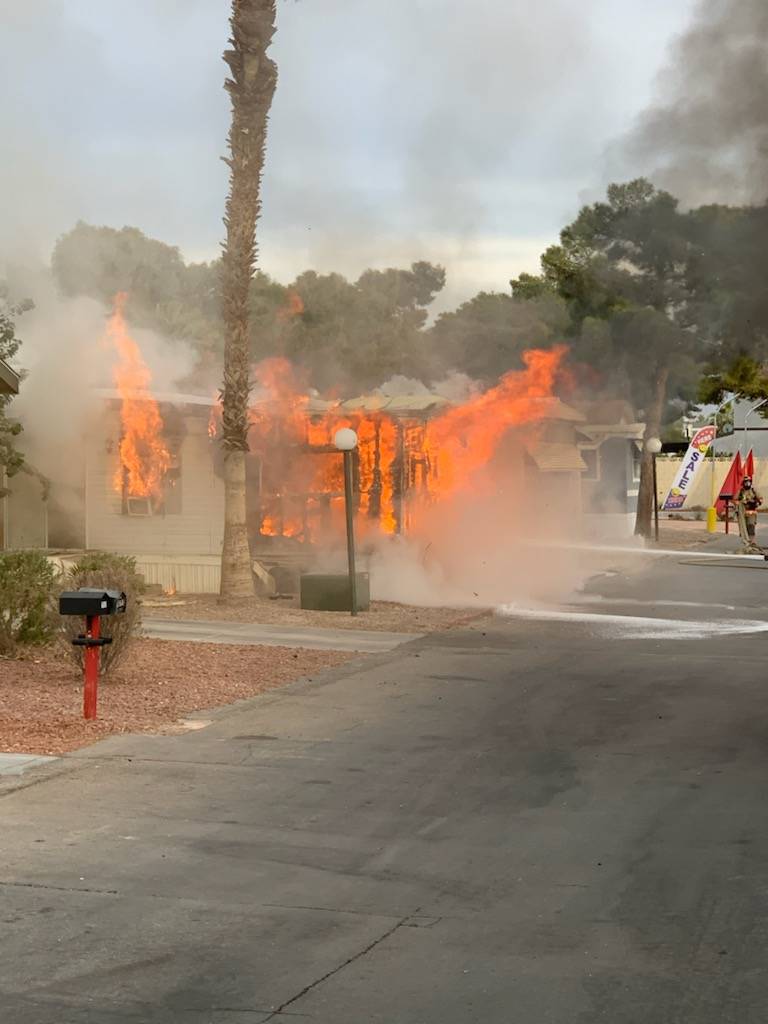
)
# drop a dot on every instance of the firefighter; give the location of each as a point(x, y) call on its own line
point(748, 501)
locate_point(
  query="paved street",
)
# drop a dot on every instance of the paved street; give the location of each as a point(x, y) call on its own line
point(552, 818)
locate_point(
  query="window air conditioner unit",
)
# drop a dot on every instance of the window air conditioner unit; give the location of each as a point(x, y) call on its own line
point(139, 506)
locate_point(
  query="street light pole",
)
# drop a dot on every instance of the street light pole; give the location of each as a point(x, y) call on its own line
point(653, 446)
point(746, 424)
point(346, 441)
point(712, 510)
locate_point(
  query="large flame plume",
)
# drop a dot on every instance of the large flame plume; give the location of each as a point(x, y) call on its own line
point(467, 436)
point(144, 455)
point(409, 460)
point(406, 461)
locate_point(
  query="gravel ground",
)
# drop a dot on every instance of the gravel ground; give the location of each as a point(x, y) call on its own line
point(161, 682)
point(393, 618)
point(684, 535)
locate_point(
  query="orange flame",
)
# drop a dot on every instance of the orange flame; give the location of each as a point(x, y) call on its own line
point(294, 306)
point(468, 435)
point(401, 462)
point(214, 418)
point(144, 457)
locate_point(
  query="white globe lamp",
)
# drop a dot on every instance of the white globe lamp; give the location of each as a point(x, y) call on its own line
point(345, 439)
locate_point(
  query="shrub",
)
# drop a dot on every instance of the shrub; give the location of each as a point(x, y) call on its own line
point(27, 582)
point(112, 572)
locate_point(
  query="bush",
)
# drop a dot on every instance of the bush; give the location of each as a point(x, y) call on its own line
point(112, 572)
point(27, 582)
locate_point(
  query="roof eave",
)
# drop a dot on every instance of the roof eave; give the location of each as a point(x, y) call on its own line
point(9, 380)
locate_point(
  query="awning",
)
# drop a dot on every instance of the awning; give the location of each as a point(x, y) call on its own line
point(415, 403)
point(599, 432)
point(557, 458)
point(554, 409)
point(9, 381)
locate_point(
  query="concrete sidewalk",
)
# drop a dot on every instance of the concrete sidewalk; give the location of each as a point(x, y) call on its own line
point(309, 637)
point(18, 764)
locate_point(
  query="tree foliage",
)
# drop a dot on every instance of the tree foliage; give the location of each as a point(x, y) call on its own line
point(623, 268)
point(27, 580)
point(634, 284)
point(355, 335)
point(731, 247)
point(344, 334)
point(486, 337)
point(178, 299)
point(11, 460)
point(112, 572)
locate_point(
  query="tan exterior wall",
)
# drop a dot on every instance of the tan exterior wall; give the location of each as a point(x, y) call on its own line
point(701, 494)
point(24, 514)
point(196, 530)
point(184, 574)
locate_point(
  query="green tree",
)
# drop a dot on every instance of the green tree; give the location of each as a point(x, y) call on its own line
point(352, 336)
point(727, 277)
point(344, 335)
point(11, 460)
point(251, 89)
point(486, 336)
point(177, 299)
point(626, 263)
point(744, 377)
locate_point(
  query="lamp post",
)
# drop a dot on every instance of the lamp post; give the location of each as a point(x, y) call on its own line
point(712, 510)
point(653, 446)
point(746, 423)
point(346, 441)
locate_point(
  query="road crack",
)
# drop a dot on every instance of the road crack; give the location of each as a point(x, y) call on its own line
point(330, 974)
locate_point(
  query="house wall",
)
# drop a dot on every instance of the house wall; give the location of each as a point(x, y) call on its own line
point(610, 501)
point(612, 492)
point(196, 531)
point(701, 494)
point(24, 514)
point(555, 497)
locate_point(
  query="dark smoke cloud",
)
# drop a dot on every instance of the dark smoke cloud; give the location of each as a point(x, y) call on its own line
point(706, 139)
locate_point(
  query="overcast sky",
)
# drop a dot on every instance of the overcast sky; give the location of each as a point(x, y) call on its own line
point(463, 131)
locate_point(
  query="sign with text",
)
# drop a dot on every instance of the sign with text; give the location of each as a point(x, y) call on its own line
point(692, 463)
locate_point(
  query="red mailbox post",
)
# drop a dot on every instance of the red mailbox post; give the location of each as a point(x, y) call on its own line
point(93, 603)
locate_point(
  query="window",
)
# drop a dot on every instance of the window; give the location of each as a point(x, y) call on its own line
point(171, 500)
point(168, 502)
point(637, 461)
point(592, 458)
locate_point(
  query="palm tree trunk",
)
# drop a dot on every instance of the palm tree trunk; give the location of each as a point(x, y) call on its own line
point(251, 89)
point(646, 497)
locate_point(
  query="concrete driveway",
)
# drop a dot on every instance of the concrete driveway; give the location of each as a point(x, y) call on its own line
point(363, 641)
point(555, 820)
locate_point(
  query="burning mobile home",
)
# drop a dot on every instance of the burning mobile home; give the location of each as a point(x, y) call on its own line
point(168, 512)
point(150, 475)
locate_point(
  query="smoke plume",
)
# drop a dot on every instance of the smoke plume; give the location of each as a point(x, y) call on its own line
point(706, 138)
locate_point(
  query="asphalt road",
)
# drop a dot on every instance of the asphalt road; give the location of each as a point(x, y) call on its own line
point(536, 821)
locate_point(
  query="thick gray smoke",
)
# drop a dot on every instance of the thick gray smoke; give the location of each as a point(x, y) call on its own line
point(706, 139)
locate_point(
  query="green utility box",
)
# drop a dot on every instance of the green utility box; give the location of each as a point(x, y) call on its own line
point(330, 592)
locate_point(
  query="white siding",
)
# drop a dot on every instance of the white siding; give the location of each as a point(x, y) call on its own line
point(185, 574)
point(26, 514)
point(198, 530)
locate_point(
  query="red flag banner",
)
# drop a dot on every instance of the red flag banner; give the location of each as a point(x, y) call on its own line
point(732, 482)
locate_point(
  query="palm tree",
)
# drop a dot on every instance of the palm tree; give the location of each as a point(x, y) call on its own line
point(251, 89)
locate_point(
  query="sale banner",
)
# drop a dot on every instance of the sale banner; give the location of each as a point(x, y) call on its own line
point(692, 463)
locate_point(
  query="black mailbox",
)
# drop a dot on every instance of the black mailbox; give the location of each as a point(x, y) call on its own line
point(92, 601)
